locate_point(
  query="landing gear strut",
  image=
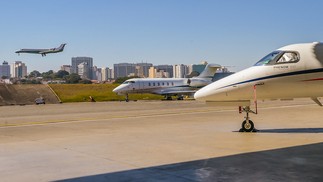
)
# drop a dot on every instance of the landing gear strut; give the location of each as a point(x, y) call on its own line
point(247, 125)
point(180, 97)
point(127, 98)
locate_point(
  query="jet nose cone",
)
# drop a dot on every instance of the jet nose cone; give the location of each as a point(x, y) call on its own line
point(120, 89)
point(116, 90)
point(200, 95)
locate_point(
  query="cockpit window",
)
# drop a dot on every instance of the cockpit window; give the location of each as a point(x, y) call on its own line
point(127, 82)
point(288, 57)
point(269, 58)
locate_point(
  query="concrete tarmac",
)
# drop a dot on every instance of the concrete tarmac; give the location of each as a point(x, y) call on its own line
point(160, 141)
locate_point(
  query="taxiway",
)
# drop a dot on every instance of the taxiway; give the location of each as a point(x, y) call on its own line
point(160, 141)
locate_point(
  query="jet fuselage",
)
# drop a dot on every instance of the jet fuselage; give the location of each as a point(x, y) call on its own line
point(292, 71)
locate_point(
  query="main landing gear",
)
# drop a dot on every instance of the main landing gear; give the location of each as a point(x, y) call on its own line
point(180, 97)
point(169, 97)
point(247, 125)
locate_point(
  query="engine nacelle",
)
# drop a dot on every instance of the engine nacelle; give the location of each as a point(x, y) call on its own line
point(198, 82)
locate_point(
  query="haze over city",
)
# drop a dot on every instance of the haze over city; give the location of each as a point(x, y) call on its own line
point(230, 33)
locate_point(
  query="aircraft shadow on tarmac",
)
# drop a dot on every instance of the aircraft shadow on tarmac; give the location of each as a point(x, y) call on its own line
point(292, 130)
point(300, 163)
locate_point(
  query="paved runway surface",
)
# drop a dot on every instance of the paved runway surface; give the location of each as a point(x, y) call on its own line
point(160, 141)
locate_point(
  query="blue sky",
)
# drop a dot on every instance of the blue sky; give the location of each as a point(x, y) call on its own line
point(232, 33)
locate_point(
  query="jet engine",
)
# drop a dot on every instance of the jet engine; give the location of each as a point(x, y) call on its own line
point(198, 82)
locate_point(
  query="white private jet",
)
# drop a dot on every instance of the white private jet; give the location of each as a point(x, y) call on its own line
point(168, 86)
point(43, 52)
point(293, 71)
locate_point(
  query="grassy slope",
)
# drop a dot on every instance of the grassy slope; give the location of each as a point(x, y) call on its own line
point(100, 92)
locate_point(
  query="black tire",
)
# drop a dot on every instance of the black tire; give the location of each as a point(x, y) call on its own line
point(248, 127)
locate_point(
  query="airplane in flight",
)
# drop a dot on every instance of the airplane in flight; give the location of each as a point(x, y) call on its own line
point(293, 71)
point(168, 87)
point(43, 52)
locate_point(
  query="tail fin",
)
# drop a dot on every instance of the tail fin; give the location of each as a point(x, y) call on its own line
point(209, 71)
point(61, 47)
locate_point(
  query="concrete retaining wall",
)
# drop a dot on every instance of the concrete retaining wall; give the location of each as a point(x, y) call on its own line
point(26, 94)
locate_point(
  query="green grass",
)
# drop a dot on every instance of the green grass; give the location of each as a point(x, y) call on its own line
point(100, 92)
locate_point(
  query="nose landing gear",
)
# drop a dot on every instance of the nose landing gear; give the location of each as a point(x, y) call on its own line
point(127, 98)
point(247, 125)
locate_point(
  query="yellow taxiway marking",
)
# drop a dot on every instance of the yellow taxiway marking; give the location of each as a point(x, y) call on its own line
point(6, 125)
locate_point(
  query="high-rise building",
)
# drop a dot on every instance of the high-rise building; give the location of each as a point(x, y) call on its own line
point(94, 73)
point(18, 69)
point(106, 74)
point(84, 71)
point(66, 68)
point(162, 74)
point(180, 70)
point(131, 69)
point(166, 68)
point(142, 69)
point(152, 72)
point(98, 74)
point(5, 70)
point(123, 69)
point(78, 60)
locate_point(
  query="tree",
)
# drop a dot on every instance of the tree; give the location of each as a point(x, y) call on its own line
point(34, 74)
point(72, 78)
point(48, 75)
point(61, 74)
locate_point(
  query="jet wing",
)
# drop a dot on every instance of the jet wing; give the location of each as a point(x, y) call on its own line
point(46, 51)
point(176, 91)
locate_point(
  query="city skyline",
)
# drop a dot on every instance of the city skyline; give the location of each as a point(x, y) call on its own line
point(86, 69)
point(229, 33)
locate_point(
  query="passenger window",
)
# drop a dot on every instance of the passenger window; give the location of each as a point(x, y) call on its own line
point(172, 83)
point(167, 84)
point(158, 84)
point(288, 57)
point(153, 84)
point(149, 84)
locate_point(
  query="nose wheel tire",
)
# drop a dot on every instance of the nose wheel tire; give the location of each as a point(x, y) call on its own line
point(247, 126)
